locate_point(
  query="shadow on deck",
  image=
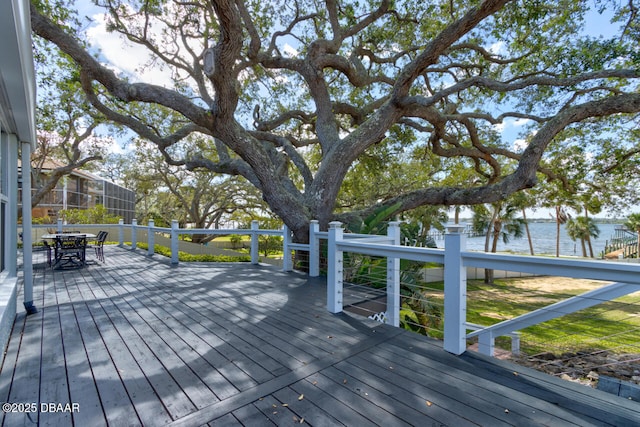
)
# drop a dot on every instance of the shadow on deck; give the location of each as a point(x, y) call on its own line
point(136, 341)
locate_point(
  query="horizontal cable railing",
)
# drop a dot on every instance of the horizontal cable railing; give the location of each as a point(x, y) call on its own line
point(435, 291)
point(626, 274)
point(150, 235)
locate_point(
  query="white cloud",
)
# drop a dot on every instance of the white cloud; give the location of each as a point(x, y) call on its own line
point(498, 48)
point(520, 144)
point(511, 123)
point(290, 50)
point(521, 122)
point(125, 57)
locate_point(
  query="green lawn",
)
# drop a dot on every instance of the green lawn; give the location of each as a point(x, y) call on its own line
point(612, 325)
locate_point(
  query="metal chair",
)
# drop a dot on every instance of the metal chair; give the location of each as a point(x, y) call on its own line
point(48, 249)
point(99, 245)
point(70, 251)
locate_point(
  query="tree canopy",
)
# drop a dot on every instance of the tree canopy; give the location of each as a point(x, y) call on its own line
point(164, 193)
point(294, 94)
point(67, 137)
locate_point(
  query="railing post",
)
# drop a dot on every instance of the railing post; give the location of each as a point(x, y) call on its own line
point(134, 234)
point(486, 343)
point(121, 232)
point(174, 241)
point(151, 238)
point(287, 264)
point(393, 278)
point(455, 290)
point(335, 268)
point(59, 225)
point(254, 242)
point(314, 249)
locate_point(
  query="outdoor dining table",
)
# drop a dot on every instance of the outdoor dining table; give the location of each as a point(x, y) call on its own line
point(72, 246)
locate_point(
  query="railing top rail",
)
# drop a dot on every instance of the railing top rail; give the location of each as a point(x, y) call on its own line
point(566, 267)
point(392, 251)
point(39, 226)
point(363, 236)
point(226, 231)
point(299, 246)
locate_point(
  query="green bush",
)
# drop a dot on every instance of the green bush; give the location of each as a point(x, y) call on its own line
point(95, 215)
point(186, 257)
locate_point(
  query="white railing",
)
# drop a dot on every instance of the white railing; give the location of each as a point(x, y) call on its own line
point(131, 230)
point(456, 260)
point(454, 257)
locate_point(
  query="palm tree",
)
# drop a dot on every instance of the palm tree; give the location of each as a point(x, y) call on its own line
point(633, 223)
point(583, 228)
point(526, 227)
point(499, 223)
point(561, 218)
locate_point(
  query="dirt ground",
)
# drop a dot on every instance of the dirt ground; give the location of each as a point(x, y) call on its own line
point(581, 367)
point(556, 284)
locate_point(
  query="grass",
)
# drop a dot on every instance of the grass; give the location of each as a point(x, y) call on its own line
point(612, 325)
point(227, 238)
point(186, 257)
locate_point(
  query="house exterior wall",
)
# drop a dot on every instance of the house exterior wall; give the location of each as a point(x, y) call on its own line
point(17, 132)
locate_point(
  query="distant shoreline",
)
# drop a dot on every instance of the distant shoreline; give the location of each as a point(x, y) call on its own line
point(619, 221)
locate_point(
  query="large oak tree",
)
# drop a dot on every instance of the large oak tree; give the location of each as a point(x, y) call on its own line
point(292, 93)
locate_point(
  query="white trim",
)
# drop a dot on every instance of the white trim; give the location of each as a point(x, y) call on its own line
point(17, 75)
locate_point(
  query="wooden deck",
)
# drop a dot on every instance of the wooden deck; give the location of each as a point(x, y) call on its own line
point(136, 341)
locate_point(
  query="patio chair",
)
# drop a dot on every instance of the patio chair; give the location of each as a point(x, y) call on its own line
point(94, 241)
point(48, 249)
point(70, 251)
point(99, 245)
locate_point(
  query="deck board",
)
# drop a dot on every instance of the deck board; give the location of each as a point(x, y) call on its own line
point(25, 384)
point(81, 391)
point(136, 341)
point(486, 397)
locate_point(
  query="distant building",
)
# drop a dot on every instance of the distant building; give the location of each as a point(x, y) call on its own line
point(83, 190)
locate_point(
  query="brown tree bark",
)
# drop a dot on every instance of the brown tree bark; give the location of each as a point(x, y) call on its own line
point(264, 155)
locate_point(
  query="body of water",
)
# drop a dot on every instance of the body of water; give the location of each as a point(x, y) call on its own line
point(543, 236)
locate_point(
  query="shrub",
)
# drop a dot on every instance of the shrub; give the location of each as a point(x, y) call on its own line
point(186, 257)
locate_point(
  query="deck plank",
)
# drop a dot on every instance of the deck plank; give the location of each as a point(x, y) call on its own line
point(84, 393)
point(115, 400)
point(355, 398)
point(305, 409)
point(25, 385)
point(53, 381)
point(453, 382)
point(385, 399)
point(10, 363)
point(190, 372)
point(432, 404)
point(136, 341)
point(202, 321)
point(548, 396)
point(277, 412)
point(141, 393)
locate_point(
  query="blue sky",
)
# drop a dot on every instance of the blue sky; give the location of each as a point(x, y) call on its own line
point(127, 58)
